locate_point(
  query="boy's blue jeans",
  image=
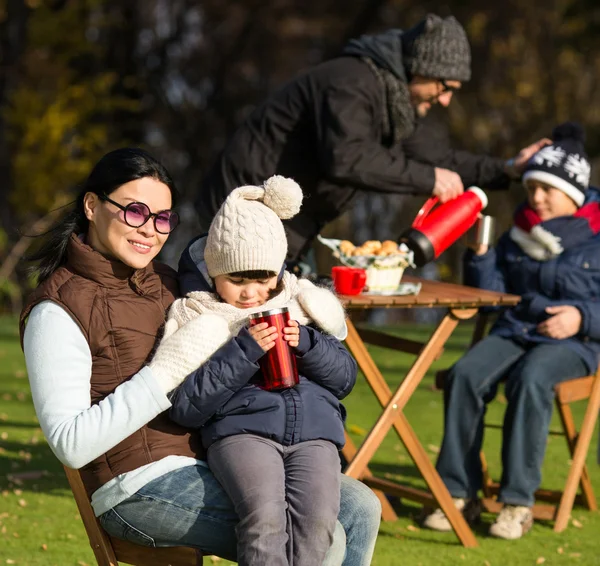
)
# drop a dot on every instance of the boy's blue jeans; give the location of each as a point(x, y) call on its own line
point(189, 507)
point(531, 372)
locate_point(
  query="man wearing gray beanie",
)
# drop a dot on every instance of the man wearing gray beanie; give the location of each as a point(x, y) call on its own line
point(358, 123)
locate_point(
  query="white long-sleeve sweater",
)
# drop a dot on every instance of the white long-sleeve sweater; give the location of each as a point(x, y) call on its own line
point(59, 365)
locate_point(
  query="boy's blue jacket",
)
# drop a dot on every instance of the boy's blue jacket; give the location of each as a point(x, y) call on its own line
point(222, 398)
point(572, 278)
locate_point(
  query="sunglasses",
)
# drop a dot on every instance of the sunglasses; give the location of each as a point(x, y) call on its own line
point(136, 214)
point(446, 87)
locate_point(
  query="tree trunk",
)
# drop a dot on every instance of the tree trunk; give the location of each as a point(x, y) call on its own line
point(13, 35)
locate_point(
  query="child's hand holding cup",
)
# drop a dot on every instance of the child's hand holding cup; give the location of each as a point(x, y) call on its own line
point(481, 235)
point(277, 339)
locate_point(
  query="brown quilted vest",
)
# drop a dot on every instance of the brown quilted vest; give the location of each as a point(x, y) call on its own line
point(120, 311)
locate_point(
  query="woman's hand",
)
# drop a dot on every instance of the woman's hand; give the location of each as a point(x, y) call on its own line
point(264, 335)
point(183, 350)
point(565, 323)
point(291, 333)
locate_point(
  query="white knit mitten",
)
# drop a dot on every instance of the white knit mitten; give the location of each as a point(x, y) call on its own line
point(324, 308)
point(182, 351)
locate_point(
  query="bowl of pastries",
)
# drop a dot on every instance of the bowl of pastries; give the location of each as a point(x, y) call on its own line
point(384, 262)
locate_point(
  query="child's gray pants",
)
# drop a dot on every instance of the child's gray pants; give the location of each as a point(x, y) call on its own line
point(287, 497)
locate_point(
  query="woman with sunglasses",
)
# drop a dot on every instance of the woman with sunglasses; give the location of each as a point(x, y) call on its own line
point(88, 332)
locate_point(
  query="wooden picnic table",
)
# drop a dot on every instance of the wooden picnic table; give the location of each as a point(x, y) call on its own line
point(461, 303)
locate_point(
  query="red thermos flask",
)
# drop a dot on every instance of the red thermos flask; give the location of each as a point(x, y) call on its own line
point(435, 229)
point(278, 365)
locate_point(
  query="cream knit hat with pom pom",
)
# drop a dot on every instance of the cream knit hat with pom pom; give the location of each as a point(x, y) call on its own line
point(247, 233)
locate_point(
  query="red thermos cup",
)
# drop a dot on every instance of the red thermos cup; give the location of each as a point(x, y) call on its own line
point(435, 229)
point(278, 365)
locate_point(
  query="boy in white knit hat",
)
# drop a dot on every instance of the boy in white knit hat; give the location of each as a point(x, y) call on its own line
point(274, 452)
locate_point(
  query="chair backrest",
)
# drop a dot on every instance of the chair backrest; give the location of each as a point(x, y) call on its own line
point(109, 550)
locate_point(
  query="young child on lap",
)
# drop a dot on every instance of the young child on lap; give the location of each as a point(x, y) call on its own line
point(274, 452)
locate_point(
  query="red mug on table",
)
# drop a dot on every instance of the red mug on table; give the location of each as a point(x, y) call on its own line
point(278, 365)
point(348, 280)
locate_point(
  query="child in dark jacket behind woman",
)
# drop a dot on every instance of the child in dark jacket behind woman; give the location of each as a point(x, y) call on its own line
point(551, 257)
point(274, 452)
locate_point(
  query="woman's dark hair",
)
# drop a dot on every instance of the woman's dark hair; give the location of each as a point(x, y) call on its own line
point(113, 170)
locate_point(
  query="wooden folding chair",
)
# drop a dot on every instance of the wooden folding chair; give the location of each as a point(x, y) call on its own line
point(578, 442)
point(109, 551)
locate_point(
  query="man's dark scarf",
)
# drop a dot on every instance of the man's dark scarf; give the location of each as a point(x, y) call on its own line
point(383, 54)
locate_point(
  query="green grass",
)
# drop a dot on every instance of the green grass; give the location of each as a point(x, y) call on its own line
point(39, 524)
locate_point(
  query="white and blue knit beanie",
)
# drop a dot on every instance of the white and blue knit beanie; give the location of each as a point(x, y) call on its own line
point(564, 164)
point(247, 234)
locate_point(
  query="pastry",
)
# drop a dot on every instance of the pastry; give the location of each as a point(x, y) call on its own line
point(347, 247)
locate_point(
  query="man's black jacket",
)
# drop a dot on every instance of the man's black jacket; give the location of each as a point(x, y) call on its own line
point(324, 130)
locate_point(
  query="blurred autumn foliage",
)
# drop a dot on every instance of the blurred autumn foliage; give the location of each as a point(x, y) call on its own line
point(80, 77)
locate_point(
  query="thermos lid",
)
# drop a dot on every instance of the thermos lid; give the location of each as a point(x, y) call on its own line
point(268, 313)
point(482, 196)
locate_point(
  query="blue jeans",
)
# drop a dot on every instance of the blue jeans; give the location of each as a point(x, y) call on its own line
point(188, 507)
point(531, 372)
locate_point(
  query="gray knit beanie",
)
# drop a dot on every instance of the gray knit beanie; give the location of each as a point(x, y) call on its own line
point(247, 234)
point(437, 48)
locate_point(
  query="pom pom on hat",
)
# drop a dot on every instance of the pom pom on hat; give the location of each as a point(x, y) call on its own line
point(246, 234)
point(569, 130)
point(283, 196)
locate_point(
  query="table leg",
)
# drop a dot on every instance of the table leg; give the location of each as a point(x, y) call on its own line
point(434, 482)
point(583, 441)
point(366, 364)
point(387, 511)
point(392, 404)
point(393, 416)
